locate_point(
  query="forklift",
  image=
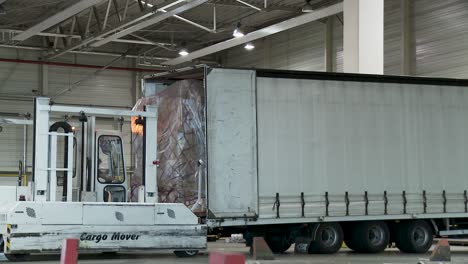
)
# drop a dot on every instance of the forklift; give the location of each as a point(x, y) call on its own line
point(80, 189)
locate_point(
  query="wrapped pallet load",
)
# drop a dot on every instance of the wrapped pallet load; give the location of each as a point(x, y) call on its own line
point(181, 144)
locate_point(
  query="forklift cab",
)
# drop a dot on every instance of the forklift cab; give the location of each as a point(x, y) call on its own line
point(110, 175)
point(106, 170)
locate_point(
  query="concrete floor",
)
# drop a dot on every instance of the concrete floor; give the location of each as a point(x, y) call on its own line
point(345, 256)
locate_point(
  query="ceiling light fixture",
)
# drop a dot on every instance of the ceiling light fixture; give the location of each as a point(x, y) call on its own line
point(249, 46)
point(238, 32)
point(307, 8)
point(183, 52)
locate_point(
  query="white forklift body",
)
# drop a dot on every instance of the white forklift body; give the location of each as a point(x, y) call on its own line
point(92, 204)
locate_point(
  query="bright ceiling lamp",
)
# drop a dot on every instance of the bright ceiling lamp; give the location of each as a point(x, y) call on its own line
point(183, 52)
point(307, 8)
point(238, 32)
point(249, 46)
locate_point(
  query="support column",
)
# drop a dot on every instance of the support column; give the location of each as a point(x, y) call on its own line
point(40, 149)
point(407, 52)
point(363, 36)
point(329, 45)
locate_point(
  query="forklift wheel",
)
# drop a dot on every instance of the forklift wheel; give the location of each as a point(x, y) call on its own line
point(16, 257)
point(186, 253)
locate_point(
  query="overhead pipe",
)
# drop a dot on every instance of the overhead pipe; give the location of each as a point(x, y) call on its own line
point(109, 54)
point(63, 64)
point(59, 35)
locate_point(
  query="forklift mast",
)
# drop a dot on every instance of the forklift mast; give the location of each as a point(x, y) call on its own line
point(93, 160)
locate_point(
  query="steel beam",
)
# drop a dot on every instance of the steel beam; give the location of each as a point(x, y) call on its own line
point(131, 41)
point(249, 5)
point(109, 54)
point(57, 18)
point(150, 22)
point(103, 34)
point(261, 33)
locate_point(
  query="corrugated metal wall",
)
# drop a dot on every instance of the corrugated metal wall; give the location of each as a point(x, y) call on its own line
point(108, 88)
point(298, 49)
point(439, 32)
point(19, 80)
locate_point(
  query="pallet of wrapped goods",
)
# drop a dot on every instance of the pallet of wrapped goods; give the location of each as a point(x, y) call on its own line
point(181, 144)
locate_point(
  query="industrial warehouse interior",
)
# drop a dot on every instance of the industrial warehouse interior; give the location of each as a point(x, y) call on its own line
point(234, 131)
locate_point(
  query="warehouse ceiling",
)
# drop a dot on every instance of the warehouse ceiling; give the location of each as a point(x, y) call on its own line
point(152, 31)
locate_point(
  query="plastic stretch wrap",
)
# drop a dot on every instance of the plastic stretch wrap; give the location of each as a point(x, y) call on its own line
point(181, 144)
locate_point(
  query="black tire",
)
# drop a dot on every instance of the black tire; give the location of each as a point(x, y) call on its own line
point(369, 237)
point(2, 244)
point(328, 239)
point(278, 242)
point(186, 253)
point(16, 257)
point(414, 236)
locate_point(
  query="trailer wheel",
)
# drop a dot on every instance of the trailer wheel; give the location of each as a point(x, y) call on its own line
point(370, 237)
point(414, 236)
point(278, 242)
point(328, 239)
point(186, 253)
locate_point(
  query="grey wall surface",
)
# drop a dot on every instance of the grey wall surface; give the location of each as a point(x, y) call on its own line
point(20, 82)
point(438, 31)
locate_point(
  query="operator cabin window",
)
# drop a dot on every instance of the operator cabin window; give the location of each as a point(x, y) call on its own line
point(110, 159)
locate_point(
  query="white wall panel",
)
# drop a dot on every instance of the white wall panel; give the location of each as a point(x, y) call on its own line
point(11, 147)
point(338, 43)
point(107, 88)
point(392, 37)
point(440, 33)
point(17, 80)
point(298, 49)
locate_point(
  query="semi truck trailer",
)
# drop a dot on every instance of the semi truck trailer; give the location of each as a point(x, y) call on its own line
point(326, 157)
point(365, 159)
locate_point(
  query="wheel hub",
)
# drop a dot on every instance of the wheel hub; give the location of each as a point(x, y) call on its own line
point(191, 252)
point(329, 236)
point(420, 236)
point(376, 235)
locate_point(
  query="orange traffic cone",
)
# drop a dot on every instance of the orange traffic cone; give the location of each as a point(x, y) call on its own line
point(261, 250)
point(441, 251)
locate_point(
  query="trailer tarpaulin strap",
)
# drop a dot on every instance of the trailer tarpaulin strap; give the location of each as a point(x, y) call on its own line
point(466, 201)
point(327, 204)
point(277, 205)
point(425, 201)
point(385, 202)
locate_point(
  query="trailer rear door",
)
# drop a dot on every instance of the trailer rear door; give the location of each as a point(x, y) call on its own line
point(232, 143)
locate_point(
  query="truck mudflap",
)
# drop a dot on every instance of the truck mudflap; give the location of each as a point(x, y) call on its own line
point(41, 239)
